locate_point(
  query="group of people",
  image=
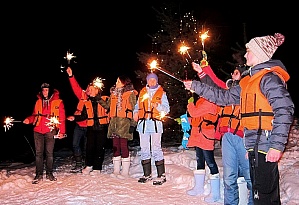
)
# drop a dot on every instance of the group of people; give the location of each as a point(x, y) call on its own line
point(253, 112)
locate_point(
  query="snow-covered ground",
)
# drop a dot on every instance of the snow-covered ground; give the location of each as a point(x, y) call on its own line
point(16, 187)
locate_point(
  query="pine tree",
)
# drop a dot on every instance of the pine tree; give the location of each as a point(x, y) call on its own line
point(178, 30)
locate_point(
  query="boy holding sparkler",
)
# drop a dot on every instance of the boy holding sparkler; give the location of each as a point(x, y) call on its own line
point(48, 118)
point(152, 101)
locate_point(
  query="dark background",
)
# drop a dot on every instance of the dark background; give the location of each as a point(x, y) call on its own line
point(105, 38)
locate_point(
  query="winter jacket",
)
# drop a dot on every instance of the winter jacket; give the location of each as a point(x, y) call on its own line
point(204, 115)
point(155, 95)
point(274, 90)
point(44, 110)
point(121, 112)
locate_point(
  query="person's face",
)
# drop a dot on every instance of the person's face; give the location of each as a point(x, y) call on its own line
point(92, 91)
point(236, 75)
point(251, 59)
point(45, 92)
point(151, 82)
point(119, 84)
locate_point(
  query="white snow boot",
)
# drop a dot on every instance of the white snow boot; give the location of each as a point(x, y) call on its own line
point(199, 178)
point(125, 168)
point(116, 166)
point(215, 189)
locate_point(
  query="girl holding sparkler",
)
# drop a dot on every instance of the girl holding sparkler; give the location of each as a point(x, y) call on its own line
point(121, 127)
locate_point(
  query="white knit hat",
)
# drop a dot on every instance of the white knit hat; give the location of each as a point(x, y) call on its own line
point(264, 47)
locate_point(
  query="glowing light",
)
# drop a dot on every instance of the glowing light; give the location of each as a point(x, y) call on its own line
point(69, 56)
point(144, 97)
point(154, 65)
point(184, 50)
point(203, 37)
point(53, 123)
point(8, 123)
point(98, 83)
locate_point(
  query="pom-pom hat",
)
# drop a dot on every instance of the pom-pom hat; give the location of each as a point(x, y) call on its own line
point(264, 47)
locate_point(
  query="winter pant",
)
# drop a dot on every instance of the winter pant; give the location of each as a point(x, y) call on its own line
point(120, 147)
point(95, 148)
point(234, 165)
point(199, 181)
point(44, 143)
point(79, 139)
point(265, 180)
point(150, 144)
point(204, 157)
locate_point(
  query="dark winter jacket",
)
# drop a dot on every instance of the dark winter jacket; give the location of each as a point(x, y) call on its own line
point(274, 89)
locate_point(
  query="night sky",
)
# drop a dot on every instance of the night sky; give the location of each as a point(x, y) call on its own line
point(105, 39)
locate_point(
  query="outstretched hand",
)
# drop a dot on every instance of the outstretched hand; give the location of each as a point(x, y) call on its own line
point(188, 84)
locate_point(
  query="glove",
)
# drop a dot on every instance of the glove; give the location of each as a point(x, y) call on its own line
point(178, 120)
point(185, 123)
point(131, 129)
point(191, 100)
point(185, 140)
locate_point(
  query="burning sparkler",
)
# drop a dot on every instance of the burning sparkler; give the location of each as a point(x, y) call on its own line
point(184, 50)
point(163, 115)
point(53, 123)
point(144, 97)
point(154, 65)
point(203, 37)
point(8, 123)
point(69, 56)
point(98, 83)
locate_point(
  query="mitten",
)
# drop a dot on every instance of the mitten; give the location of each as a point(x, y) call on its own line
point(185, 123)
point(185, 140)
point(191, 100)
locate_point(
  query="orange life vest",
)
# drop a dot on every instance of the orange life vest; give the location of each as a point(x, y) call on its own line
point(230, 117)
point(209, 121)
point(126, 110)
point(39, 109)
point(102, 112)
point(256, 112)
point(147, 111)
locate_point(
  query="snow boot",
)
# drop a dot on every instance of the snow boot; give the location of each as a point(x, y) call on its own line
point(215, 189)
point(50, 176)
point(147, 171)
point(116, 166)
point(78, 166)
point(199, 181)
point(161, 178)
point(38, 178)
point(125, 168)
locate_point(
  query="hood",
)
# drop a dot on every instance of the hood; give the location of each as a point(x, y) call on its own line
point(54, 96)
point(271, 63)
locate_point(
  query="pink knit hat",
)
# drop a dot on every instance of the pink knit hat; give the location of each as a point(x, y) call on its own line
point(264, 47)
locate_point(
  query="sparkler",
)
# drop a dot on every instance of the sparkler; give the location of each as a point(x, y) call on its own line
point(154, 65)
point(184, 50)
point(53, 122)
point(144, 97)
point(98, 83)
point(203, 37)
point(69, 56)
point(8, 123)
point(163, 115)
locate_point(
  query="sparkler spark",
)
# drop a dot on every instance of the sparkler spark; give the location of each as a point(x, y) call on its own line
point(53, 122)
point(69, 57)
point(203, 37)
point(98, 82)
point(184, 50)
point(144, 97)
point(8, 123)
point(154, 65)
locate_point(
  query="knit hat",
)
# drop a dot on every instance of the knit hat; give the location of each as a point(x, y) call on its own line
point(264, 47)
point(152, 75)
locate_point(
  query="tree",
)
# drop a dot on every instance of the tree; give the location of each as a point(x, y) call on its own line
point(180, 30)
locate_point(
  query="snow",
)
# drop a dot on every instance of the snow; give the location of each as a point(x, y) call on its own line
point(101, 188)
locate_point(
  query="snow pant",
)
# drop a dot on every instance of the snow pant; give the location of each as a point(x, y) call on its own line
point(150, 144)
point(265, 180)
point(95, 148)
